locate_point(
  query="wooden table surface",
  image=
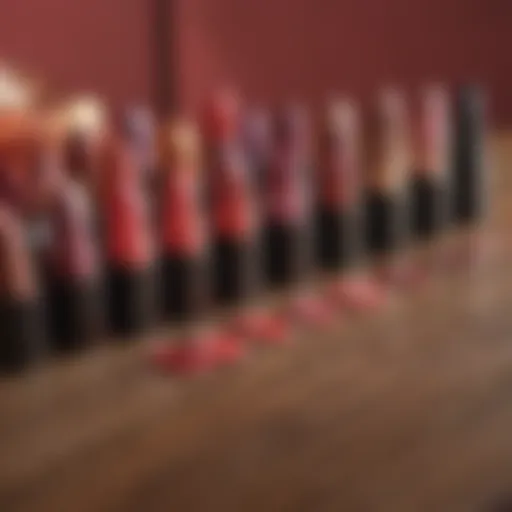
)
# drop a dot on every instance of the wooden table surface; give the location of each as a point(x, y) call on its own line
point(409, 409)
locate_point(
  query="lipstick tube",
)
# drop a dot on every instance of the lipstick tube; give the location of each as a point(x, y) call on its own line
point(139, 126)
point(257, 141)
point(232, 202)
point(234, 226)
point(73, 270)
point(182, 224)
point(429, 181)
point(18, 132)
point(290, 221)
point(85, 122)
point(129, 244)
point(22, 340)
point(469, 180)
point(288, 206)
point(385, 205)
point(339, 194)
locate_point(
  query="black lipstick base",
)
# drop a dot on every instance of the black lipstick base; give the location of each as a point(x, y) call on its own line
point(231, 270)
point(182, 287)
point(22, 341)
point(468, 179)
point(282, 254)
point(381, 223)
point(130, 300)
point(74, 313)
point(426, 207)
point(335, 241)
point(466, 207)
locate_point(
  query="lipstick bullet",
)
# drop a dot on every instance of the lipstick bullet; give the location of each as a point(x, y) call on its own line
point(235, 222)
point(140, 130)
point(63, 213)
point(81, 158)
point(290, 223)
point(17, 136)
point(85, 122)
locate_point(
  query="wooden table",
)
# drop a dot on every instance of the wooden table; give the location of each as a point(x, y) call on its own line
point(406, 410)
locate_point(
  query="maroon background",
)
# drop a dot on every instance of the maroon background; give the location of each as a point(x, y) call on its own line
point(271, 48)
point(92, 45)
point(310, 47)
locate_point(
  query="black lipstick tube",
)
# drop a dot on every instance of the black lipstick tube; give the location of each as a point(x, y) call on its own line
point(468, 180)
point(22, 339)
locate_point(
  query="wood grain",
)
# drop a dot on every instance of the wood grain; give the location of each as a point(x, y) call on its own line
point(409, 409)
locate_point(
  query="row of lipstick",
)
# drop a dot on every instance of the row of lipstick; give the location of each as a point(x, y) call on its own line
point(110, 224)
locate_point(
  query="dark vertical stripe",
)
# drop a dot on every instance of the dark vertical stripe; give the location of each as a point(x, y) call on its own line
point(164, 56)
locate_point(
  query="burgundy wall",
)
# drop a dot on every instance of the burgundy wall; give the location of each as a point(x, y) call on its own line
point(98, 45)
point(309, 47)
point(271, 48)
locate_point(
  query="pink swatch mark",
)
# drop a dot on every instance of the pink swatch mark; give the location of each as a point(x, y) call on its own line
point(262, 327)
point(311, 310)
point(198, 354)
point(468, 252)
point(359, 294)
point(404, 275)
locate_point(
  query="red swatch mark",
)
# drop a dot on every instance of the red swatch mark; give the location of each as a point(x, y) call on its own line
point(311, 310)
point(358, 294)
point(262, 327)
point(198, 354)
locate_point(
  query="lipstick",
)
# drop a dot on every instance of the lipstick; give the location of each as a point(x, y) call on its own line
point(287, 201)
point(85, 123)
point(429, 182)
point(290, 229)
point(139, 125)
point(22, 340)
point(257, 141)
point(235, 222)
point(128, 238)
point(198, 347)
point(232, 202)
point(182, 223)
point(385, 213)
point(73, 269)
point(338, 192)
point(469, 178)
point(17, 136)
point(62, 210)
